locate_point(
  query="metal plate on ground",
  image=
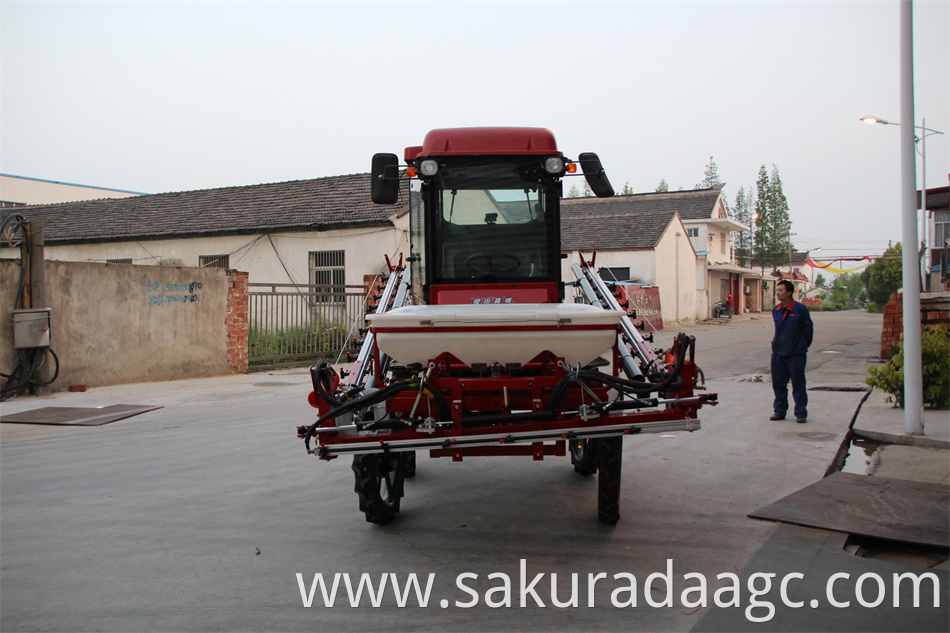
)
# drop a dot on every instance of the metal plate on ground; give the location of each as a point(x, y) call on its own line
point(893, 509)
point(77, 416)
point(801, 601)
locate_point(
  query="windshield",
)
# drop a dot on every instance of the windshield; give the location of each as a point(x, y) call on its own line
point(492, 222)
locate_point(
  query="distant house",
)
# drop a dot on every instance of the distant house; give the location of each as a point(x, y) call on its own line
point(630, 227)
point(634, 243)
point(938, 204)
point(797, 269)
point(319, 231)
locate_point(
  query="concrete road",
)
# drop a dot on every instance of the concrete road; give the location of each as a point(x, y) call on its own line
point(199, 515)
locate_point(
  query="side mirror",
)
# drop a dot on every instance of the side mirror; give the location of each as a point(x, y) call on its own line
point(594, 173)
point(384, 183)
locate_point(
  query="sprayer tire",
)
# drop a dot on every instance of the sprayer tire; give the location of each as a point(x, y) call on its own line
point(410, 464)
point(584, 456)
point(609, 462)
point(379, 485)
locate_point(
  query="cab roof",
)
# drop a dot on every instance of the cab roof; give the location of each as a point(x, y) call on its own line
point(485, 141)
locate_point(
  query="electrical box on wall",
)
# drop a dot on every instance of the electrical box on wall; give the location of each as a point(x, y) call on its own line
point(31, 328)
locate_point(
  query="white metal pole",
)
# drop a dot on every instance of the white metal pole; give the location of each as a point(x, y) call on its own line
point(913, 380)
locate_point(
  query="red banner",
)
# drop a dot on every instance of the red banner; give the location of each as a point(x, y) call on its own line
point(646, 301)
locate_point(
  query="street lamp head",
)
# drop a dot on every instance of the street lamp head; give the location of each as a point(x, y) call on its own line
point(871, 120)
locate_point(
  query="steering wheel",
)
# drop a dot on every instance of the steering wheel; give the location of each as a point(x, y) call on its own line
point(503, 264)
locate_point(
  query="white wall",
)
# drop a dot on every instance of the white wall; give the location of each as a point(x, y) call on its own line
point(642, 264)
point(676, 273)
point(702, 291)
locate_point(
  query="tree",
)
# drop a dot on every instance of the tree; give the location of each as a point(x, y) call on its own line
point(663, 187)
point(773, 226)
point(627, 190)
point(587, 192)
point(885, 275)
point(711, 178)
point(820, 280)
point(742, 210)
point(573, 192)
point(848, 289)
point(761, 215)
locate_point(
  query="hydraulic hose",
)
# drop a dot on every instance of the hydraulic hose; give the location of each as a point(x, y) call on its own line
point(375, 397)
point(635, 387)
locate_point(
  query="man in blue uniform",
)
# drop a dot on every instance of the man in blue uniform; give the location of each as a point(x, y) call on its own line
point(793, 334)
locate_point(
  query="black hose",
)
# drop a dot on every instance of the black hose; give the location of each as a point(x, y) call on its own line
point(375, 397)
point(635, 387)
point(320, 376)
point(30, 361)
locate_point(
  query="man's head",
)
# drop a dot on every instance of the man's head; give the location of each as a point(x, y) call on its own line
point(784, 290)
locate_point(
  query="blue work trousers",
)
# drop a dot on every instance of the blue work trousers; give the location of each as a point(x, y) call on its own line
point(785, 368)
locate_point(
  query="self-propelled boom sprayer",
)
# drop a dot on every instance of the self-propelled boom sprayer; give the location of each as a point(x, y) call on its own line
point(473, 350)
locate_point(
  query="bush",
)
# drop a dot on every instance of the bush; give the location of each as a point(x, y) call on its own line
point(875, 308)
point(935, 350)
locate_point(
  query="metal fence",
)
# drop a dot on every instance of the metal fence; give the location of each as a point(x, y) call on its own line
point(294, 323)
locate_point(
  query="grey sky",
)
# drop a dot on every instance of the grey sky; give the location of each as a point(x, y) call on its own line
point(169, 96)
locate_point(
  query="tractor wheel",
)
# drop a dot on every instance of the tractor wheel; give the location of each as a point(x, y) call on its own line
point(609, 462)
point(584, 456)
point(379, 480)
point(410, 464)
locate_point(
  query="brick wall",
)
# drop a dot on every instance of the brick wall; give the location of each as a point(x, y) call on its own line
point(894, 322)
point(811, 303)
point(237, 321)
point(373, 286)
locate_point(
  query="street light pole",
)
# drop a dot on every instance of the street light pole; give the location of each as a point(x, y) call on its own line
point(913, 371)
point(911, 264)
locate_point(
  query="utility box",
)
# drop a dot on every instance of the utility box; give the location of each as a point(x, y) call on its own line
point(31, 328)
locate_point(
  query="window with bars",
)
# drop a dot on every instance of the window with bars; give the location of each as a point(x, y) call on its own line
point(213, 261)
point(327, 274)
point(941, 228)
point(119, 260)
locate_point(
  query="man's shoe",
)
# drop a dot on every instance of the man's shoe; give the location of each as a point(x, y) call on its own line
point(801, 420)
point(776, 416)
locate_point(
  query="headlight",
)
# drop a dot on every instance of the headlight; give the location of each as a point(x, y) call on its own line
point(554, 165)
point(428, 167)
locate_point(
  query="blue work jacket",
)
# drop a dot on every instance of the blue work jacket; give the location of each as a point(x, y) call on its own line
point(793, 329)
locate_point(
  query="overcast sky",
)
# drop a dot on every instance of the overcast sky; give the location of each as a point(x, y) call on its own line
point(175, 96)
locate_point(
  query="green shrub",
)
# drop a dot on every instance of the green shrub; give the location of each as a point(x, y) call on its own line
point(935, 350)
point(875, 308)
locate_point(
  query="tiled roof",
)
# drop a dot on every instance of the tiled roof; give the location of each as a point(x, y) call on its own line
point(319, 204)
point(795, 276)
point(617, 223)
point(799, 258)
point(695, 204)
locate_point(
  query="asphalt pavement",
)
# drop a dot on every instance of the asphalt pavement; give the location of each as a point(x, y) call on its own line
point(207, 514)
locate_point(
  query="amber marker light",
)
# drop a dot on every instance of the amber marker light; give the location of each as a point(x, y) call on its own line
point(411, 172)
point(572, 168)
